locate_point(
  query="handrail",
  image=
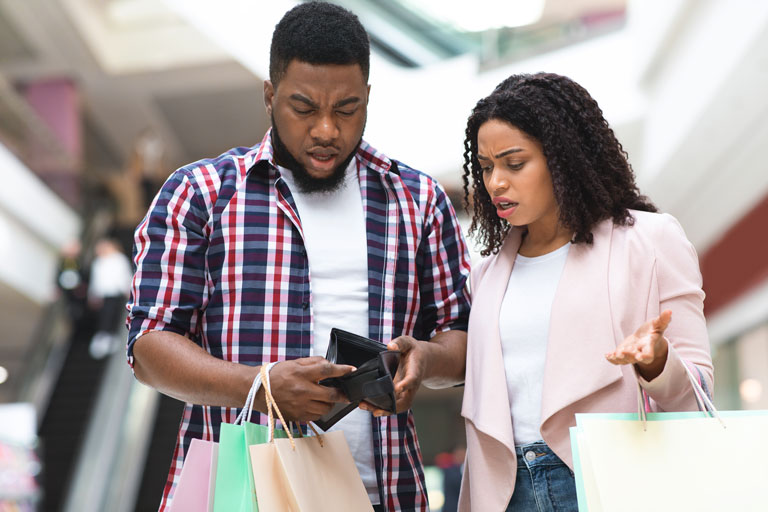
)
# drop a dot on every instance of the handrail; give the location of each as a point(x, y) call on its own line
point(111, 460)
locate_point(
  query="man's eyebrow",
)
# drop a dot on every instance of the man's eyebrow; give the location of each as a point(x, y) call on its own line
point(338, 104)
point(303, 99)
point(346, 101)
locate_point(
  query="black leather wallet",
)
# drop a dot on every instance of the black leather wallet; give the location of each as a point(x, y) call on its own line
point(372, 381)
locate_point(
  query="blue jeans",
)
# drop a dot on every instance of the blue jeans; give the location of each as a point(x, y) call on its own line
point(544, 483)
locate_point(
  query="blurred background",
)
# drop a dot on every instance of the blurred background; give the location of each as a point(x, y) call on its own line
point(101, 99)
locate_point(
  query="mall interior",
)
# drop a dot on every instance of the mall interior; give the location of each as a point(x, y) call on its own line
point(100, 100)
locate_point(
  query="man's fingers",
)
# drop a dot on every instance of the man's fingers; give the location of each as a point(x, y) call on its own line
point(331, 395)
point(327, 370)
point(373, 409)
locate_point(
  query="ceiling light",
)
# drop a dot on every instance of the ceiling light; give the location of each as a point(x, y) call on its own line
point(480, 15)
point(133, 12)
point(751, 390)
point(3, 374)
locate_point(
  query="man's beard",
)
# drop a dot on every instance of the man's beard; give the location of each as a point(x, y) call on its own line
point(304, 180)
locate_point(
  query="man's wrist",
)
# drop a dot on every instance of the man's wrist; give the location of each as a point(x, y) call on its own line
point(260, 403)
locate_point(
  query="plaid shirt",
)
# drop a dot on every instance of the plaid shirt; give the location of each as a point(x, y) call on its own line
point(220, 259)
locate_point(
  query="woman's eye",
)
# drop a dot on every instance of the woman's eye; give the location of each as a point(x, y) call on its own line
point(486, 168)
point(516, 167)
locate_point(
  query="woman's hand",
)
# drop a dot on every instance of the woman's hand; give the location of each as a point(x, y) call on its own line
point(410, 373)
point(647, 348)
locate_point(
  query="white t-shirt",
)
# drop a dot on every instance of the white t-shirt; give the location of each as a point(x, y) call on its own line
point(524, 330)
point(336, 242)
point(110, 276)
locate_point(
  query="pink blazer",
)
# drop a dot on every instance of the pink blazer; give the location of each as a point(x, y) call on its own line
point(607, 290)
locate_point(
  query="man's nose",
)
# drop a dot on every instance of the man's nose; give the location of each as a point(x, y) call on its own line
point(324, 130)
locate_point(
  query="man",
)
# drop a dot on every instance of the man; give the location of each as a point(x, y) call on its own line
point(252, 257)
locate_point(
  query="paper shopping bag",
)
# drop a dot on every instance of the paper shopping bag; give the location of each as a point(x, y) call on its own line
point(194, 491)
point(680, 461)
point(307, 474)
point(234, 490)
point(308, 477)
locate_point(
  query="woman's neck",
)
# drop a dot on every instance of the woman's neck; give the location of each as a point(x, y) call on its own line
point(542, 239)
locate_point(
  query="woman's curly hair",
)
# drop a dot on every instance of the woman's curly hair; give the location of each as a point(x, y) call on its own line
point(591, 176)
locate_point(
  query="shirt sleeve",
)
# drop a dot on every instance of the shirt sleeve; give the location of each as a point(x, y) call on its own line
point(168, 287)
point(680, 290)
point(444, 269)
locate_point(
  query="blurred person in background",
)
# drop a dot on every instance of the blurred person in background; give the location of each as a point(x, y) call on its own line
point(225, 254)
point(72, 280)
point(133, 189)
point(108, 289)
point(452, 466)
point(585, 293)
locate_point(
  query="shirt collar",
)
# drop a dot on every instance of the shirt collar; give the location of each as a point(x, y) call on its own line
point(367, 156)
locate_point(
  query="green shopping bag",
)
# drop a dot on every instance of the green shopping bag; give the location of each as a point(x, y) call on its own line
point(234, 490)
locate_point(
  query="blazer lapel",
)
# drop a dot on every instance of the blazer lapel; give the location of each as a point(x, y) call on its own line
point(581, 327)
point(486, 404)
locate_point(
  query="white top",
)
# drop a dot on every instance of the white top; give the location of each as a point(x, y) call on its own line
point(524, 331)
point(336, 242)
point(111, 276)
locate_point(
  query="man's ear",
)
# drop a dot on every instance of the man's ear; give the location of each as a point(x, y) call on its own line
point(269, 96)
point(368, 96)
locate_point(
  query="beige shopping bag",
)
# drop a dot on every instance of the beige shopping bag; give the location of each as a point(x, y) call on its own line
point(702, 461)
point(306, 474)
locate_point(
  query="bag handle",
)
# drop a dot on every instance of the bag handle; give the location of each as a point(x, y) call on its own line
point(702, 400)
point(272, 408)
point(247, 410)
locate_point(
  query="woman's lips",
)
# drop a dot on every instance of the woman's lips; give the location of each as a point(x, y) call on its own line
point(505, 208)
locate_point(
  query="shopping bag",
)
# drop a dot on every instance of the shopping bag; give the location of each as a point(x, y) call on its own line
point(672, 461)
point(234, 490)
point(306, 474)
point(194, 490)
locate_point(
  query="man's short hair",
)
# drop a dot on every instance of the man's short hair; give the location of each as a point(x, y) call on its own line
point(318, 33)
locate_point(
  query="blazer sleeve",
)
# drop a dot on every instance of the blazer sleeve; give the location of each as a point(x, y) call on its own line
point(679, 284)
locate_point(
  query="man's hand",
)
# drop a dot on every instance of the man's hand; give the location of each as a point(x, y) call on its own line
point(647, 348)
point(295, 387)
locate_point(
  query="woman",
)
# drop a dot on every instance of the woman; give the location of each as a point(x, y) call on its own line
point(586, 292)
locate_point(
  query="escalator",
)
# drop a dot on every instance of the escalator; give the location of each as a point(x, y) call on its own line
point(63, 425)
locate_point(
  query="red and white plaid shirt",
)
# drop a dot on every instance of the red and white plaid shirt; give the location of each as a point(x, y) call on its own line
point(220, 259)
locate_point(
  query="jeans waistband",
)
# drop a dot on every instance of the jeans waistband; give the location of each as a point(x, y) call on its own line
point(536, 454)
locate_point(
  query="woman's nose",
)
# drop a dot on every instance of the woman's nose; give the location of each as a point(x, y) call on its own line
point(497, 183)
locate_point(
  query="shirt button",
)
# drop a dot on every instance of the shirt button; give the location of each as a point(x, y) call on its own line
point(304, 305)
point(530, 455)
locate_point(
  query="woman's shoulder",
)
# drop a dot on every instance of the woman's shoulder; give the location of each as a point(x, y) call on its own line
point(654, 224)
point(653, 233)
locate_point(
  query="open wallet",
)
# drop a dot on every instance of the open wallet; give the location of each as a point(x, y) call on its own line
point(372, 381)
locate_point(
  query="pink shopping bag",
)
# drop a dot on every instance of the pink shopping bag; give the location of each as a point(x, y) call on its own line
point(194, 492)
